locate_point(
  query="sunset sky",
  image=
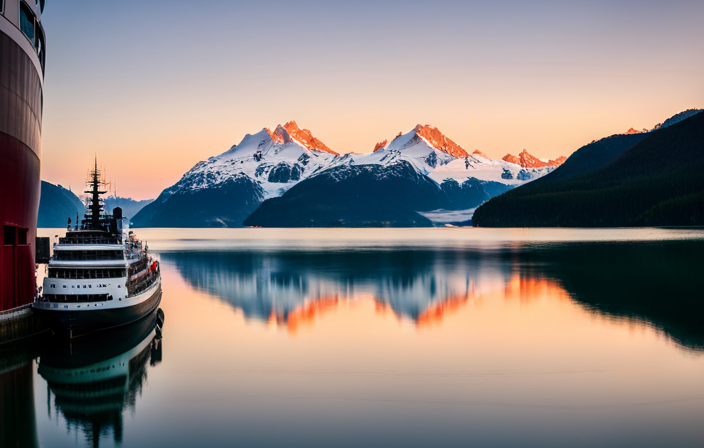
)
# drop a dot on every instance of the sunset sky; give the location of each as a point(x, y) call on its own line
point(154, 87)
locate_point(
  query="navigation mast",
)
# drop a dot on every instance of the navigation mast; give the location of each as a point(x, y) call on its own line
point(95, 209)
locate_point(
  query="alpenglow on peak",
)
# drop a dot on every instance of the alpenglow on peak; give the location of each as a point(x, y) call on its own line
point(291, 132)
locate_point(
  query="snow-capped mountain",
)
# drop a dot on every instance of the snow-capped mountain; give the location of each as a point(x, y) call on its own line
point(424, 147)
point(438, 157)
point(422, 170)
point(525, 160)
point(274, 160)
point(291, 133)
point(225, 189)
point(396, 185)
point(429, 135)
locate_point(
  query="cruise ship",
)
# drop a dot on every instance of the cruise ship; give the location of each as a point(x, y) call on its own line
point(22, 57)
point(100, 275)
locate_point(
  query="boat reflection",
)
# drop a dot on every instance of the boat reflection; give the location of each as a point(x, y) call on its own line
point(93, 382)
point(650, 283)
point(18, 426)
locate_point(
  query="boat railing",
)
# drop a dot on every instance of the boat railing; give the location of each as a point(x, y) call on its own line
point(133, 255)
point(142, 284)
point(88, 240)
point(86, 256)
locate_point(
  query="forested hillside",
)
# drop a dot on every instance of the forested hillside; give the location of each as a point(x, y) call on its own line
point(659, 181)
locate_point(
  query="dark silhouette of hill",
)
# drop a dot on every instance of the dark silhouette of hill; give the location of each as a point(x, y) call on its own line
point(223, 206)
point(353, 196)
point(370, 196)
point(56, 205)
point(658, 181)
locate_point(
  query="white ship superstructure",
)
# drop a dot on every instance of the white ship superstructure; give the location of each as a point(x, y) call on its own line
point(100, 276)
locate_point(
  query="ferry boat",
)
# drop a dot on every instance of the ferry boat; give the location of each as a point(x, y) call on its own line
point(100, 276)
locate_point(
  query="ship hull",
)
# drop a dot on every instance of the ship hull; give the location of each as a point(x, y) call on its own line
point(76, 324)
point(20, 149)
point(63, 354)
point(19, 184)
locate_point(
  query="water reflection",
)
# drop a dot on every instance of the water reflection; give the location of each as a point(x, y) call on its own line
point(655, 283)
point(93, 382)
point(658, 283)
point(17, 415)
point(289, 286)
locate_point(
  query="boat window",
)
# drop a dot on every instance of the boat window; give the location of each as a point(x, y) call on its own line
point(27, 21)
point(80, 298)
point(88, 255)
point(22, 236)
point(39, 45)
point(9, 239)
point(86, 273)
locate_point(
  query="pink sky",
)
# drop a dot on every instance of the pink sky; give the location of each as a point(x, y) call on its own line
point(152, 97)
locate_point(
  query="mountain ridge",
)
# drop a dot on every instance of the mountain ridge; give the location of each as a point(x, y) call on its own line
point(625, 181)
point(526, 160)
point(268, 164)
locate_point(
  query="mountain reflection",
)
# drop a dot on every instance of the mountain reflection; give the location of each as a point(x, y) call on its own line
point(654, 283)
point(288, 286)
point(657, 283)
point(94, 381)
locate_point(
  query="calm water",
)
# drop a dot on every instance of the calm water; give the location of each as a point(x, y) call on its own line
point(383, 337)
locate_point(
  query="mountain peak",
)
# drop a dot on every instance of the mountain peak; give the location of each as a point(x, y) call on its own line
point(510, 158)
point(280, 135)
point(305, 137)
point(526, 160)
point(480, 154)
point(635, 131)
point(380, 145)
point(290, 132)
point(437, 139)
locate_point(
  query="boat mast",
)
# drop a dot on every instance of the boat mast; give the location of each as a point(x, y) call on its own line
point(92, 220)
